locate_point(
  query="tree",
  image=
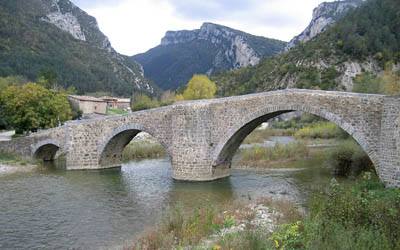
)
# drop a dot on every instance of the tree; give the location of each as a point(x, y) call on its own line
point(142, 102)
point(32, 107)
point(368, 83)
point(178, 98)
point(167, 98)
point(199, 87)
point(390, 81)
point(47, 79)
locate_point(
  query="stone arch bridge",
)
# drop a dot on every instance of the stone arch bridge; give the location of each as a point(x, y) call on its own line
point(202, 136)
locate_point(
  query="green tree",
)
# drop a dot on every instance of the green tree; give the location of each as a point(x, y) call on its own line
point(142, 102)
point(368, 83)
point(32, 107)
point(47, 79)
point(199, 87)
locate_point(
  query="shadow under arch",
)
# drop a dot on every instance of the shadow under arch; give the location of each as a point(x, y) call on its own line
point(113, 146)
point(231, 141)
point(46, 150)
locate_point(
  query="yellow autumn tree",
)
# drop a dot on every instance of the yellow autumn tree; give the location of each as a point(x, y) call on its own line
point(199, 87)
point(391, 80)
point(178, 98)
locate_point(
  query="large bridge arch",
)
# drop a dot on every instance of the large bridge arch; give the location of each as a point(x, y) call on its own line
point(46, 150)
point(110, 151)
point(232, 139)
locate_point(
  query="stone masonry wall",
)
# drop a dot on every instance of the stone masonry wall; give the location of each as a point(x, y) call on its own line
point(202, 136)
point(205, 127)
point(87, 139)
point(389, 146)
point(27, 146)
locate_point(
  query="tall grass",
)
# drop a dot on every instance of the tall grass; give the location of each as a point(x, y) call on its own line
point(262, 156)
point(323, 130)
point(138, 149)
point(181, 229)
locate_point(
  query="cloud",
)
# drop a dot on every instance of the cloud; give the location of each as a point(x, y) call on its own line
point(198, 9)
point(90, 4)
point(134, 26)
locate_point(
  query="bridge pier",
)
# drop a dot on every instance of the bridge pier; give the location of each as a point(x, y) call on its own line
point(192, 143)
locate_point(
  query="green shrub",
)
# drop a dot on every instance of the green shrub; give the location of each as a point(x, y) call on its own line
point(142, 150)
point(260, 156)
point(348, 158)
point(322, 130)
point(365, 215)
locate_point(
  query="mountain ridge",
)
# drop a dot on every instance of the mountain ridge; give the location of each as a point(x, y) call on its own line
point(213, 48)
point(58, 35)
point(365, 40)
point(324, 15)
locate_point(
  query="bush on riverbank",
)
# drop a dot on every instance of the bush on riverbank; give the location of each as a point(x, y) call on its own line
point(323, 130)
point(348, 158)
point(141, 150)
point(365, 215)
point(262, 157)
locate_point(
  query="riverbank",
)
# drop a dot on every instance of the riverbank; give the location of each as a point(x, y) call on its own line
point(361, 215)
point(143, 146)
point(10, 163)
point(229, 225)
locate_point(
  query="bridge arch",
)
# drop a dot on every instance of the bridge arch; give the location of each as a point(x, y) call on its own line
point(110, 151)
point(231, 140)
point(46, 150)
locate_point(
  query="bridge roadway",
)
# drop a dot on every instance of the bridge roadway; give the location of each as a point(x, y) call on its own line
point(202, 136)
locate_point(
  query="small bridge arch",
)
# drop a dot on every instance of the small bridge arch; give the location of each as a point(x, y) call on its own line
point(46, 150)
point(231, 141)
point(110, 151)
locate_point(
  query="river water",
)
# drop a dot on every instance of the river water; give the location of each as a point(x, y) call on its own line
point(56, 209)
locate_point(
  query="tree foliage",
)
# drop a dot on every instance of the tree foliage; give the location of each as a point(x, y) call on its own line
point(388, 83)
point(199, 87)
point(32, 107)
point(142, 102)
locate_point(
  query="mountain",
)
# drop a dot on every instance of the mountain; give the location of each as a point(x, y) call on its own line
point(207, 50)
point(42, 35)
point(324, 16)
point(365, 40)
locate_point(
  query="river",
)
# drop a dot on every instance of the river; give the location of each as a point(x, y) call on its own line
point(55, 209)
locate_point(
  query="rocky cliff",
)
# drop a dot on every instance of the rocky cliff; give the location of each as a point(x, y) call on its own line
point(67, 40)
point(206, 50)
point(324, 15)
point(362, 42)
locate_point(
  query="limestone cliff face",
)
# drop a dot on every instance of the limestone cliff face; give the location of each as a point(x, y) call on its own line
point(324, 15)
point(233, 46)
point(207, 50)
point(70, 18)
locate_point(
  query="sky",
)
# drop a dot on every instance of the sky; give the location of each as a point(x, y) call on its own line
point(135, 26)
